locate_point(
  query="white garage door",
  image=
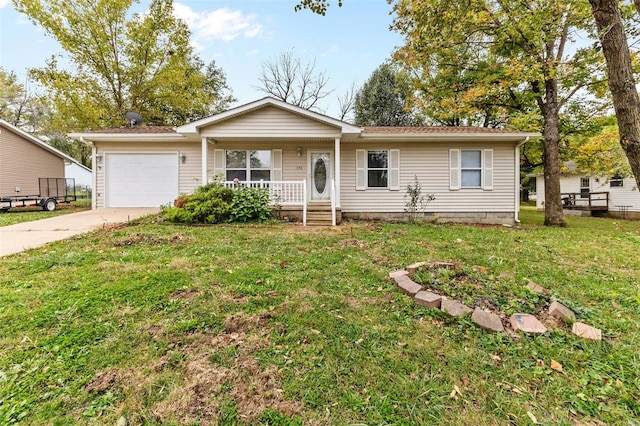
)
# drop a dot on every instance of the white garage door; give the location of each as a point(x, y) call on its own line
point(141, 180)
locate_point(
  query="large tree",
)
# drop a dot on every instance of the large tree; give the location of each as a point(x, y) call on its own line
point(286, 78)
point(382, 100)
point(19, 105)
point(530, 40)
point(622, 84)
point(115, 62)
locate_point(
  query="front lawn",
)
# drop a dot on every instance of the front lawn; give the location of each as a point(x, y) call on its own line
point(28, 214)
point(281, 324)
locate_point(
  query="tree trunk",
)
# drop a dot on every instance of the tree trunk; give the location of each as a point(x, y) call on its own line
point(553, 214)
point(621, 81)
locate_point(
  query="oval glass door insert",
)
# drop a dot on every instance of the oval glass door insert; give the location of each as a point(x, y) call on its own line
point(320, 175)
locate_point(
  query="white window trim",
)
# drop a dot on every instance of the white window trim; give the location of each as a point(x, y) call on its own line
point(455, 170)
point(275, 169)
point(616, 179)
point(362, 170)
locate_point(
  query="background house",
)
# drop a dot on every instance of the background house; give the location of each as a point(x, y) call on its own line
point(621, 194)
point(24, 158)
point(343, 169)
point(81, 174)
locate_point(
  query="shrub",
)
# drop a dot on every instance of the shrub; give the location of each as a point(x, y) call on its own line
point(214, 203)
point(250, 205)
point(210, 203)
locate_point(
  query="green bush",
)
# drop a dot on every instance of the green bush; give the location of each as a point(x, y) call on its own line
point(213, 203)
point(250, 205)
point(210, 203)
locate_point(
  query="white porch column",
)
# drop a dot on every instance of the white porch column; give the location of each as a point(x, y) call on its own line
point(205, 157)
point(336, 171)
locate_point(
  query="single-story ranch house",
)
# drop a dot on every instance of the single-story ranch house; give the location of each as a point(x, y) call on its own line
point(313, 164)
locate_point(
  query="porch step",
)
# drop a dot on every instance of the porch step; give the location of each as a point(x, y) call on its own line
point(319, 214)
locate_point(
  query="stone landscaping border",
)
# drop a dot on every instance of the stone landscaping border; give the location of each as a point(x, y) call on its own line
point(485, 319)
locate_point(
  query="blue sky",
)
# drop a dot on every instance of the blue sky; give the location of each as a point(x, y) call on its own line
point(348, 44)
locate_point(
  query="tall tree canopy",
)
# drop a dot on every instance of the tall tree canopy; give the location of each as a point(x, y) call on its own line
point(285, 78)
point(118, 63)
point(18, 105)
point(382, 100)
point(528, 42)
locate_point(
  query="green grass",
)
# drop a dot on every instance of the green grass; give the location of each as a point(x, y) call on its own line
point(280, 324)
point(28, 214)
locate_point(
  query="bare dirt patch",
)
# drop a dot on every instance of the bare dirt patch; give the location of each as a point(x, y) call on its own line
point(207, 385)
point(212, 372)
point(189, 294)
point(140, 238)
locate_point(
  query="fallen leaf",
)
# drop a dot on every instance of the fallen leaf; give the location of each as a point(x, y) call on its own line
point(516, 390)
point(619, 383)
point(259, 281)
point(555, 365)
point(457, 389)
point(532, 417)
point(452, 395)
point(540, 363)
point(359, 341)
point(314, 331)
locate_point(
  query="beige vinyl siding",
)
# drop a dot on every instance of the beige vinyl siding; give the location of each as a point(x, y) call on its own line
point(22, 162)
point(430, 163)
point(270, 122)
point(190, 172)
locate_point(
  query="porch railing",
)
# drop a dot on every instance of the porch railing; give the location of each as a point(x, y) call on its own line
point(592, 201)
point(281, 193)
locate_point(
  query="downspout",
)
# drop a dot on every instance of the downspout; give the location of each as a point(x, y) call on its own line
point(517, 180)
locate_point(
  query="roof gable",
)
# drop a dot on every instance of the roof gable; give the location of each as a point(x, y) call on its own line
point(29, 138)
point(270, 104)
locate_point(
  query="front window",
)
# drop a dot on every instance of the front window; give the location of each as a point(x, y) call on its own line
point(616, 181)
point(471, 168)
point(257, 168)
point(377, 169)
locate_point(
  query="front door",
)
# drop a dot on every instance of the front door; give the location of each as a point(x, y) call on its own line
point(320, 166)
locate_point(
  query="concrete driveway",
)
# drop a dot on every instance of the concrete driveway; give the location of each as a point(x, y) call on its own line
point(28, 235)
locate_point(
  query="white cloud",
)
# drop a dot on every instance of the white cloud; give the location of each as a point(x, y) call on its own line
point(220, 24)
point(333, 49)
point(4, 3)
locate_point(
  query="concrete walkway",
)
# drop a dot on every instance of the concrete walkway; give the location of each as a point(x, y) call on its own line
point(28, 235)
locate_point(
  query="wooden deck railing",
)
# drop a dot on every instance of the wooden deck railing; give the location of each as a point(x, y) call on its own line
point(592, 201)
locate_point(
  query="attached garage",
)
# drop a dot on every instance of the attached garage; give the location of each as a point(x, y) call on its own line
point(141, 179)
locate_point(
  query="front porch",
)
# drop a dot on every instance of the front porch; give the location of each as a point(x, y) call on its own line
point(290, 199)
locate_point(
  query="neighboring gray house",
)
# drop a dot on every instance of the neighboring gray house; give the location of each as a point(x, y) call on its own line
point(24, 159)
point(313, 164)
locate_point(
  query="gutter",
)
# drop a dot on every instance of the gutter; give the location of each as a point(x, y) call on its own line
point(517, 180)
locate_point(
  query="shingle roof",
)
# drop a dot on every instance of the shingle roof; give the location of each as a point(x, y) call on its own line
point(137, 130)
point(431, 129)
point(366, 130)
